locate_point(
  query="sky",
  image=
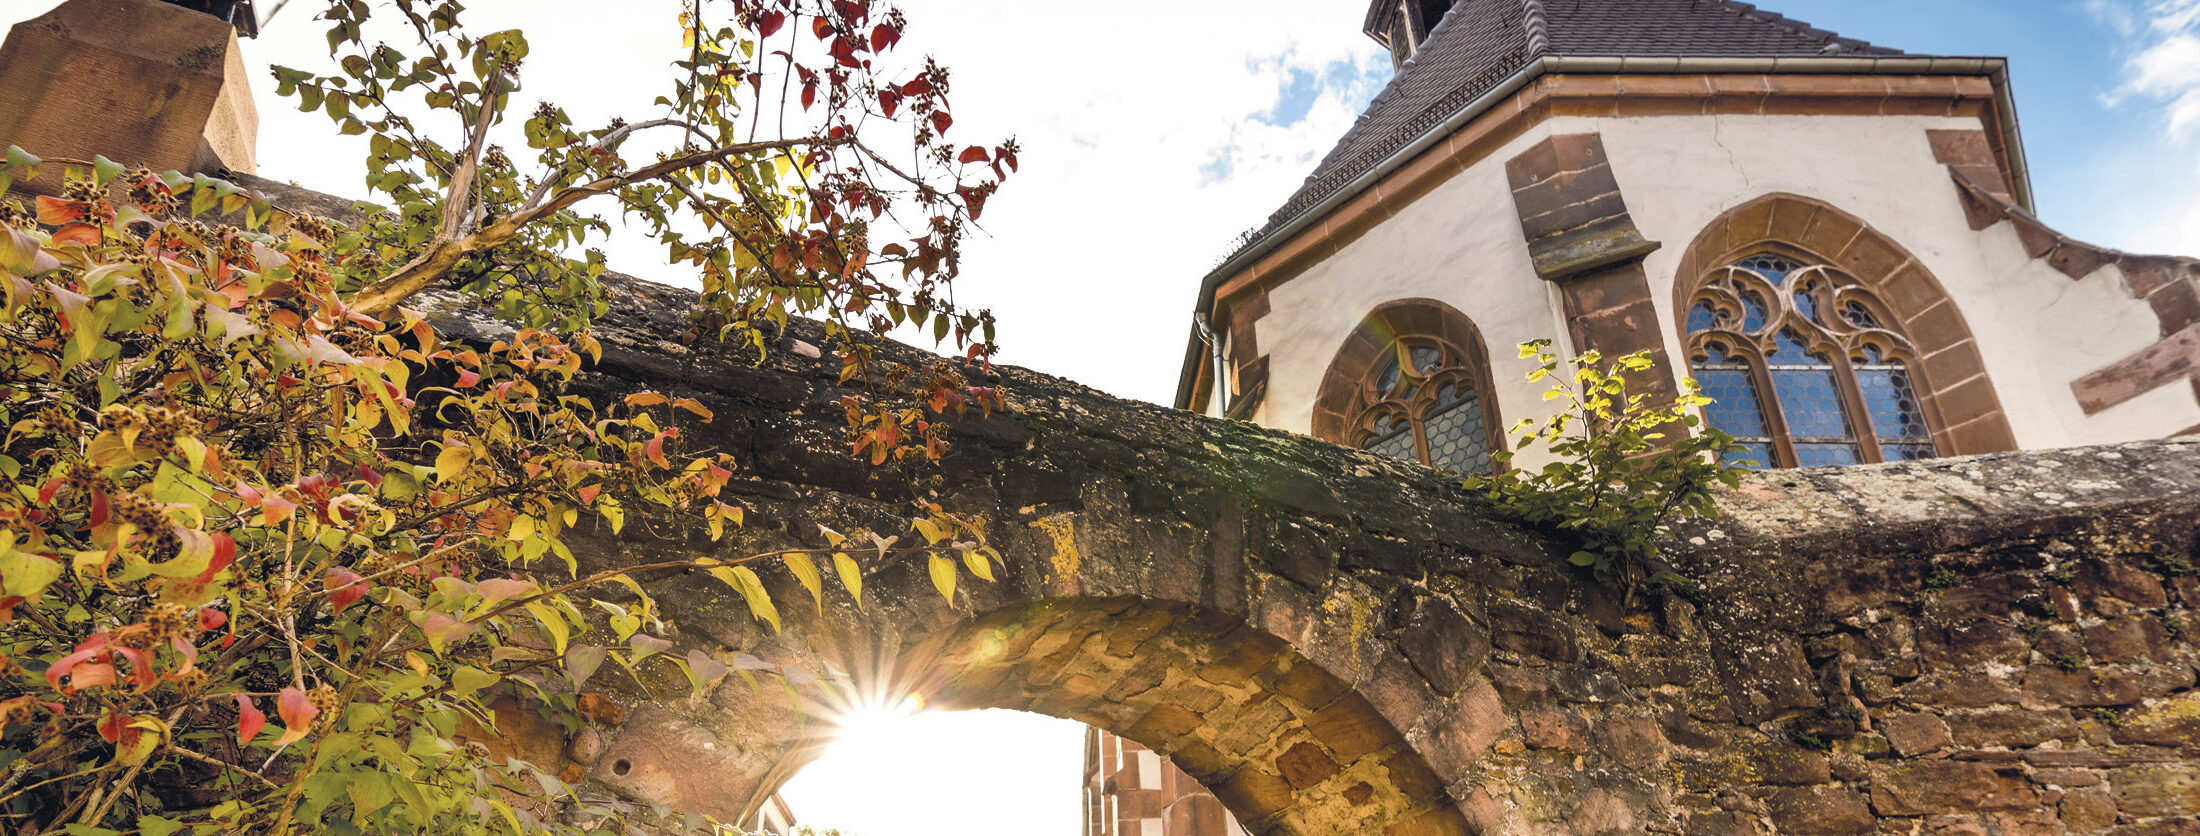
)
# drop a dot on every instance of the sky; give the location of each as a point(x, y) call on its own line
point(1155, 131)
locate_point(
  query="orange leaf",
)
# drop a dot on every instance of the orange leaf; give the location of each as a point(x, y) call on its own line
point(298, 713)
point(84, 234)
point(645, 399)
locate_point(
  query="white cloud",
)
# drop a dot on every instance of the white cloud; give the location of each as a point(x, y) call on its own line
point(2162, 71)
point(1150, 134)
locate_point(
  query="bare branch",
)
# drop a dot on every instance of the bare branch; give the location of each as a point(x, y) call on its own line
point(543, 190)
point(444, 253)
point(460, 200)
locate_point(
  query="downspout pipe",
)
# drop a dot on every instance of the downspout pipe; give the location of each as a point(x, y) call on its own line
point(1214, 353)
point(1996, 69)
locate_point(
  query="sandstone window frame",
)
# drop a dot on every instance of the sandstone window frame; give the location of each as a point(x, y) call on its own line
point(1962, 412)
point(1361, 399)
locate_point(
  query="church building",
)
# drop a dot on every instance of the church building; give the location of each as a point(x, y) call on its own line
point(1836, 239)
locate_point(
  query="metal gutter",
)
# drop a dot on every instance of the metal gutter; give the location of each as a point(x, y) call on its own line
point(1996, 69)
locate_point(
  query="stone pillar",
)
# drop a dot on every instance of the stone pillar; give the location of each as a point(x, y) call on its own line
point(141, 82)
point(1581, 238)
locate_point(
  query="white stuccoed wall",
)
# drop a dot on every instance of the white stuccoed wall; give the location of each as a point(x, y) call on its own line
point(1461, 244)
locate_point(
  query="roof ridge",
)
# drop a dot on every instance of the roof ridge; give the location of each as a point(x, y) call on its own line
point(1539, 27)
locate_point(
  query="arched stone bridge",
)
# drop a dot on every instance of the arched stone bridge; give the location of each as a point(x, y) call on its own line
point(1336, 642)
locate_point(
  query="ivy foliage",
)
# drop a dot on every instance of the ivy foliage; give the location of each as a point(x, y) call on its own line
point(270, 546)
point(1625, 464)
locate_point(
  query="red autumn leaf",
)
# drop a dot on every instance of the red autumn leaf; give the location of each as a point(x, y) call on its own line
point(822, 27)
point(84, 234)
point(7, 608)
point(210, 618)
point(888, 102)
point(297, 712)
point(190, 654)
point(344, 588)
point(92, 675)
point(973, 198)
point(972, 154)
point(98, 515)
point(274, 509)
point(93, 646)
point(770, 22)
point(249, 720)
point(371, 476)
point(917, 86)
point(940, 121)
point(882, 36)
point(46, 492)
point(112, 725)
point(467, 378)
point(225, 553)
point(656, 447)
point(809, 94)
point(588, 494)
point(141, 666)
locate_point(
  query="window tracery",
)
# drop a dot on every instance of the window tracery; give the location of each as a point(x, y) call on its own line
point(1803, 367)
point(1424, 404)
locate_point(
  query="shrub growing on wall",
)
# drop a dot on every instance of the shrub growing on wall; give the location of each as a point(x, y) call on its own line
point(267, 540)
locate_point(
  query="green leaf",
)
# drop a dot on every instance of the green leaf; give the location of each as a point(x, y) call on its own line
point(104, 171)
point(150, 825)
point(21, 159)
point(468, 679)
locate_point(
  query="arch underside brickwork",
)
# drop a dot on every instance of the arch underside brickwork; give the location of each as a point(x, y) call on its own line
point(1339, 642)
point(1961, 406)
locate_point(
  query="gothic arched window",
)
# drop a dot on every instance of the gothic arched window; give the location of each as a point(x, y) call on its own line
point(1412, 382)
point(1805, 365)
point(1425, 405)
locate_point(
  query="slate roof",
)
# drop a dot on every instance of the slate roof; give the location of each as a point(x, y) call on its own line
point(1479, 43)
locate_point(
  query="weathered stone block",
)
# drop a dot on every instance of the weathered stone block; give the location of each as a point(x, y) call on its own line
point(2087, 810)
point(2161, 790)
point(1820, 811)
point(1914, 734)
point(1928, 787)
point(1443, 645)
point(2011, 727)
point(1561, 730)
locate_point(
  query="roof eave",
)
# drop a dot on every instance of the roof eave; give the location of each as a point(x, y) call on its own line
point(1996, 69)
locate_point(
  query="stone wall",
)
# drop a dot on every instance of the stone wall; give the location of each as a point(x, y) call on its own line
point(1336, 642)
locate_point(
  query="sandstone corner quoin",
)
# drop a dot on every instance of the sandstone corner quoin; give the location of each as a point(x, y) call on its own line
point(1335, 641)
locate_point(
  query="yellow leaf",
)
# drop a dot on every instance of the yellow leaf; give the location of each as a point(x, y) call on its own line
point(612, 513)
point(744, 580)
point(851, 576)
point(553, 623)
point(523, 527)
point(831, 536)
point(452, 462)
point(805, 570)
point(979, 566)
point(930, 530)
point(943, 575)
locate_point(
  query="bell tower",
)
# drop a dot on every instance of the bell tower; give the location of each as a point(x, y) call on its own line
point(143, 82)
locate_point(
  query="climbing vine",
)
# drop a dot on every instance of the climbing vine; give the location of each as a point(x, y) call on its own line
point(1625, 464)
point(269, 541)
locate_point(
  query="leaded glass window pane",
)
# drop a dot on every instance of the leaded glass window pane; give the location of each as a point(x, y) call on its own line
point(1774, 268)
point(1702, 317)
point(1456, 437)
point(1442, 425)
point(1807, 412)
point(1753, 312)
point(1819, 455)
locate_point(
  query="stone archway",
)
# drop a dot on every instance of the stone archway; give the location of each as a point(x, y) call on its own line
point(1859, 651)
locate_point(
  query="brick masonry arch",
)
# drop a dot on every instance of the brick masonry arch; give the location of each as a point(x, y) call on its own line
point(2003, 643)
point(1965, 412)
